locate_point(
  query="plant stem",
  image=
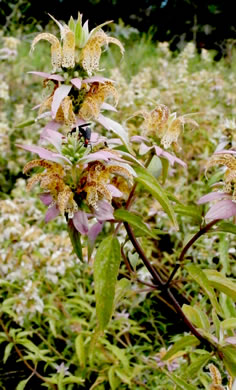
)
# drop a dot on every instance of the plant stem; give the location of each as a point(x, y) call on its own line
point(141, 253)
point(202, 231)
point(160, 284)
point(19, 353)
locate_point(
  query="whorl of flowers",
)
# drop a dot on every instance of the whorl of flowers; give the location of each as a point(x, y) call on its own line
point(77, 46)
point(160, 123)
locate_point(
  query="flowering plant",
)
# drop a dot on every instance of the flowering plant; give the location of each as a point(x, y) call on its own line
point(93, 181)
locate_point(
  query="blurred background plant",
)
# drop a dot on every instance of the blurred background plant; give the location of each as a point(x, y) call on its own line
point(48, 306)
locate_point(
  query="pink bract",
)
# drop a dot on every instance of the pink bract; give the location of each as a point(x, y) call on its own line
point(222, 210)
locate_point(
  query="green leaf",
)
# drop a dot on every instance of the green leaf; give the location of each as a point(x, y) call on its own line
point(114, 382)
point(149, 182)
point(80, 350)
point(75, 239)
point(7, 352)
point(226, 227)
point(155, 167)
point(199, 276)
point(204, 318)
point(183, 385)
point(228, 305)
point(198, 364)
point(29, 122)
point(123, 376)
point(192, 315)
point(189, 211)
point(21, 385)
point(122, 287)
point(119, 353)
point(229, 323)
point(165, 167)
point(106, 267)
point(216, 322)
point(229, 359)
point(180, 345)
point(221, 282)
point(72, 379)
point(196, 316)
point(224, 253)
point(134, 220)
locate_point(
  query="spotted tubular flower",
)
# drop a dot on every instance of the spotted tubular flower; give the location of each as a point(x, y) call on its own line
point(52, 180)
point(94, 99)
point(91, 53)
point(74, 179)
point(82, 99)
point(97, 179)
point(61, 56)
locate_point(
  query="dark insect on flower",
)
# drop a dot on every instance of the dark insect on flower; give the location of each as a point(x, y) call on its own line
point(85, 133)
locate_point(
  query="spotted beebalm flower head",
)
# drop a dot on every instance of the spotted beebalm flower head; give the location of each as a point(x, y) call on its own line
point(99, 180)
point(225, 200)
point(161, 124)
point(77, 45)
point(74, 178)
point(52, 180)
point(82, 99)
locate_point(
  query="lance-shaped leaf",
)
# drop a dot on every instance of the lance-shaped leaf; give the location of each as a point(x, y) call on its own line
point(198, 364)
point(106, 267)
point(229, 359)
point(180, 345)
point(199, 276)
point(189, 211)
point(75, 239)
point(225, 227)
point(229, 323)
point(149, 182)
point(135, 221)
point(182, 384)
point(29, 122)
point(221, 282)
point(196, 316)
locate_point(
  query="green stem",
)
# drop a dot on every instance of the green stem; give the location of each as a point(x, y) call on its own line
point(202, 231)
point(160, 284)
